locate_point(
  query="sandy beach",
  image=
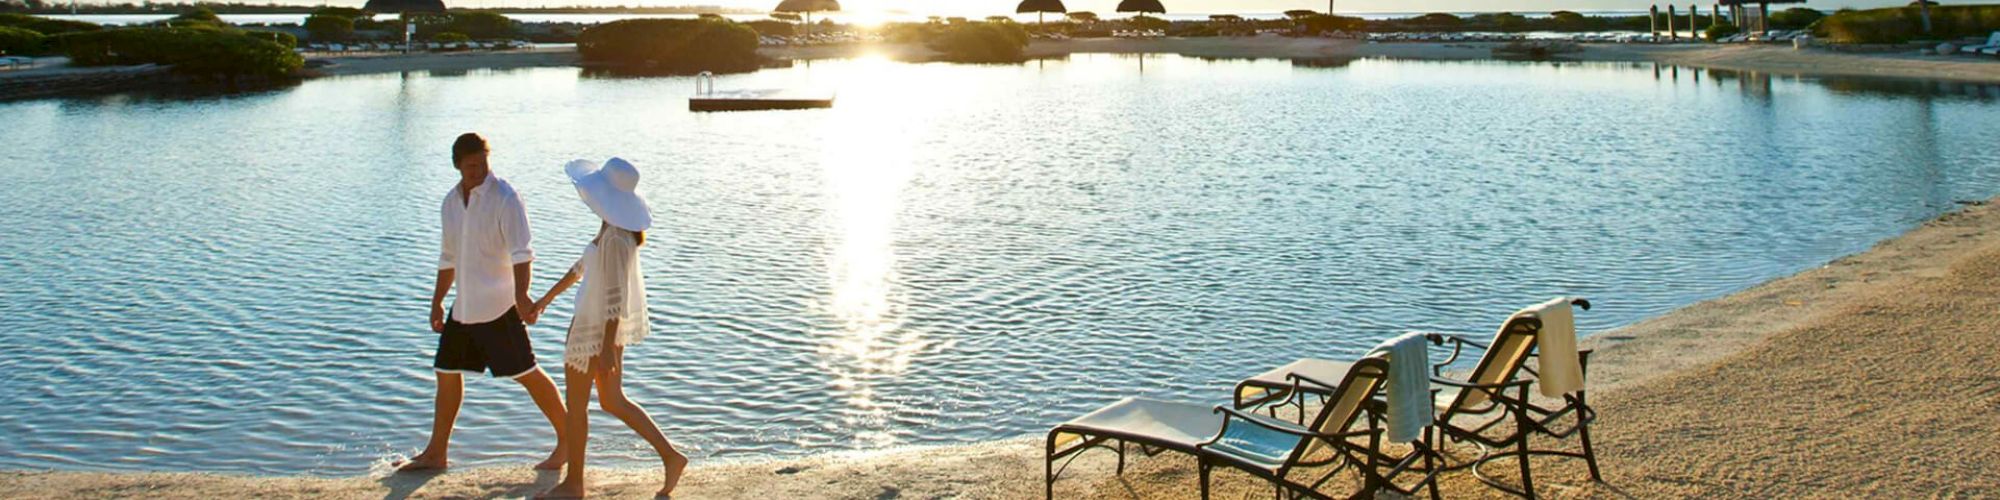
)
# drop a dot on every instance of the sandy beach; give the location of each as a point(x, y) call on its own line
point(1761, 58)
point(1872, 376)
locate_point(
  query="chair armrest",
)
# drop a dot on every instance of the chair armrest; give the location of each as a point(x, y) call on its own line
point(1232, 415)
point(1297, 379)
point(1467, 385)
point(1438, 338)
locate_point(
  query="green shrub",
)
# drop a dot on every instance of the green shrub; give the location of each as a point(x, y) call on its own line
point(1437, 20)
point(1796, 18)
point(17, 41)
point(981, 42)
point(1320, 23)
point(1720, 31)
point(199, 14)
point(329, 28)
point(1564, 20)
point(281, 38)
point(201, 52)
point(1903, 24)
point(482, 25)
point(771, 27)
point(347, 12)
point(1504, 21)
point(450, 37)
point(1146, 22)
point(674, 46)
point(46, 26)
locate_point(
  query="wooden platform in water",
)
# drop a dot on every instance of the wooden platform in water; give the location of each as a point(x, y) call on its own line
point(758, 100)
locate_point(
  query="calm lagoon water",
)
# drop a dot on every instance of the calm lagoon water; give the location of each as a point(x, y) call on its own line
point(953, 253)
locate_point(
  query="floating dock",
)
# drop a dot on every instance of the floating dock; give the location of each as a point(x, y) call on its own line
point(707, 99)
point(757, 100)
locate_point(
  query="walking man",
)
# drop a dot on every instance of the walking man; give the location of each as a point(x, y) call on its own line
point(486, 254)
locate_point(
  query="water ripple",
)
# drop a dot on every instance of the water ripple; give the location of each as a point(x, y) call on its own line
point(954, 253)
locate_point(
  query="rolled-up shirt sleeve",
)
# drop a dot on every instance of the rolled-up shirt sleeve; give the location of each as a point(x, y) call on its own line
point(448, 254)
point(514, 229)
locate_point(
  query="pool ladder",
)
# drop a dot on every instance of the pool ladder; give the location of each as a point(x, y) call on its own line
point(704, 84)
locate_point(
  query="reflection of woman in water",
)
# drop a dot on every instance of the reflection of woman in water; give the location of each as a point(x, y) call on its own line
point(610, 314)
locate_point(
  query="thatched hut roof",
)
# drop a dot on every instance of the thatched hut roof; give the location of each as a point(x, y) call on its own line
point(1027, 6)
point(398, 6)
point(807, 6)
point(1152, 6)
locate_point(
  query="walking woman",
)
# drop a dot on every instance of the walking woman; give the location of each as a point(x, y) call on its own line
point(610, 314)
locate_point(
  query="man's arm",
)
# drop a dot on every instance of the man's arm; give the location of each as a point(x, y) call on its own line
point(445, 278)
point(569, 279)
point(514, 230)
point(447, 265)
point(523, 304)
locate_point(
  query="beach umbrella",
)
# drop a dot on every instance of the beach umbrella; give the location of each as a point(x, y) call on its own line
point(1040, 6)
point(808, 7)
point(1142, 6)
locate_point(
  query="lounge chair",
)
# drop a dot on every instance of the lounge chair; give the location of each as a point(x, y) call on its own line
point(1273, 449)
point(1481, 397)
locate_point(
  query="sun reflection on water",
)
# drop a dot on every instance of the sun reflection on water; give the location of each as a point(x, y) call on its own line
point(865, 171)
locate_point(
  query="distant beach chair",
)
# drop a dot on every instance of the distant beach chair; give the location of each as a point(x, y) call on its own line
point(1992, 44)
point(1481, 396)
point(1275, 450)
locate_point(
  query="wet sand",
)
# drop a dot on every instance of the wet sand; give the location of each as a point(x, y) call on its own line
point(1873, 376)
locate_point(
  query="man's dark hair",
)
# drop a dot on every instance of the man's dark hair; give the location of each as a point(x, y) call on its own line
point(467, 143)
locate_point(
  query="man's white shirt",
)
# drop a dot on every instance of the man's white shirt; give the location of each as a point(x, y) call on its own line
point(483, 240)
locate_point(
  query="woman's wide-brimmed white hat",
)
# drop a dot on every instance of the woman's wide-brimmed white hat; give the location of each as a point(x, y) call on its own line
point(612, 192)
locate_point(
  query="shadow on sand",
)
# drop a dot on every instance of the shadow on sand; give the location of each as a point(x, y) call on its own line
point(403, 485)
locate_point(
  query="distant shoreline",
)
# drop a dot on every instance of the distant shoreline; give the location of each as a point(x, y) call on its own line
point(55, 79)
point(1755, 58)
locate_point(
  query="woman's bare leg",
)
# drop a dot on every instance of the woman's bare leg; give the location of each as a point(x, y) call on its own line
point(576, 430)
point(543, 390)
point(611, 395)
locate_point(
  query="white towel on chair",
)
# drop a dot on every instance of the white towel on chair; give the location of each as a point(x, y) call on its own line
point(1560, 371)
point(1409, 386)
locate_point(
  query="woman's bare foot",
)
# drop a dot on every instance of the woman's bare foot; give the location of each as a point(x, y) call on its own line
point(422, 462)
point(674, 465)
point(555, 461)
point(566, 489)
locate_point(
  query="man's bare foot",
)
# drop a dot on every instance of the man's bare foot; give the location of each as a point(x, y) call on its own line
point(422, 462)
point(566, 489)
point(554, 462)
point(674, 465)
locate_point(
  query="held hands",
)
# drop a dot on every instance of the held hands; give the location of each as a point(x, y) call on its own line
point(529, 312)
